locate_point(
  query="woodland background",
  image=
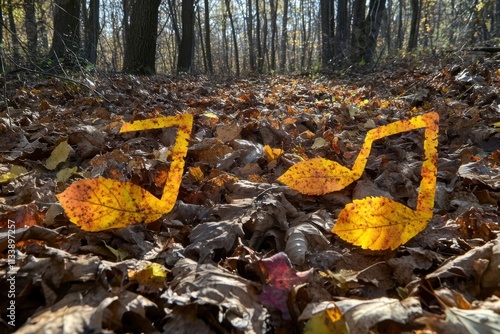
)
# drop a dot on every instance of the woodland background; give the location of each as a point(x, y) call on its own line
point(234, 37)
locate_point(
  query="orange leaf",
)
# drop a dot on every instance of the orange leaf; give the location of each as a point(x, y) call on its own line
point(378, 223)
point(100, 204)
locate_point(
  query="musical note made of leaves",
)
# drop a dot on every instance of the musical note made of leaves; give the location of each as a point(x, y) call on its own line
point(101, 204)
point(375, 223)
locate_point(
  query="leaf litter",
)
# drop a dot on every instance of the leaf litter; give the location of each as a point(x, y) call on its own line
point(240, 251)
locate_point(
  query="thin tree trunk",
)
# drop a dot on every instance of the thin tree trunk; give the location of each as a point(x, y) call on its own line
point(251, 46)
point(92, 31)
point(203, 51)
point(415, 21)
point(207, 38)
point(284, 36)
point(31, 27)
point(13, 32)
point(274, 29)
point(375, 16)
point(400, 33)
point(175, 25)
point(260, 58)
point(235, 40)
point(497, 18)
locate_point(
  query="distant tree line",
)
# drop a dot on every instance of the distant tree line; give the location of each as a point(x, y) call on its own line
point(232, 37)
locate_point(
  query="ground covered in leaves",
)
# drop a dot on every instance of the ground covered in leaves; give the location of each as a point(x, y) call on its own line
point(241, 252)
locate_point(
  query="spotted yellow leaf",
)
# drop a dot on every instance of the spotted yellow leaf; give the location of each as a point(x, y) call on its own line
point(100, 204)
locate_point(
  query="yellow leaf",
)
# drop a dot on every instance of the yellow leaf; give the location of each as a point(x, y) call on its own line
point(196, 173)
point(153, 276)
point(374, 223)
point(15, 172)
point(272, 153)
point(378, 223)
point(100, 204)
point(329, 321)
point(318, 176)
point(58, 155)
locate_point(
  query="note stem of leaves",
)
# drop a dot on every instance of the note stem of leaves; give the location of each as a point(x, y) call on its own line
point(375, 223)
point(100, 204)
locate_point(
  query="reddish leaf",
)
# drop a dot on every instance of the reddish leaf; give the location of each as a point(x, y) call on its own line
point(281, 278)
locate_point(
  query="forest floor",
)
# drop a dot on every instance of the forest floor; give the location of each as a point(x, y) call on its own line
point(241, 252)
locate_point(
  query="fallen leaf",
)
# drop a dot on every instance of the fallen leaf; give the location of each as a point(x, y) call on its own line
point(230, 298)
point(280, 279)
point(100, 204)
point(329, 321)
point(14, 172)
point(58, 155)
point(458, 321)
point(151, 278)
point(318, 176)
point(378, 223)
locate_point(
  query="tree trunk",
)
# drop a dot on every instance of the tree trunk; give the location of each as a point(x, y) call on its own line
point(92, 31)
point(274, 28)
point(185, 59)
point(415, 21)
point(31, 27)
point(400, 37)
point(2, 64)
point(175, 25)
point(66, 39)
point(260, 58)
point(207, 38)
point(497, 18)
point(13, 33)
point(251, 46)
point(140, 49)
point(375, 16)
point(235, 40)
point(358, 31)
point(340, 43)
point(284, 36)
